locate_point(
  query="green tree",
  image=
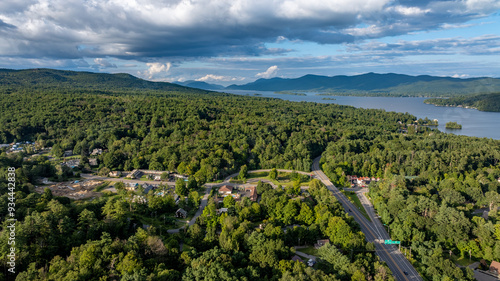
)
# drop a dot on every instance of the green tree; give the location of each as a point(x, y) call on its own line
point(180, 187)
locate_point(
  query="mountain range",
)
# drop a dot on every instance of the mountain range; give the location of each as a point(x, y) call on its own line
point(370, 83)
point(365, 84)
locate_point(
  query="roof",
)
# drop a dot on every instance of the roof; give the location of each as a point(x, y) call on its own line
point(495, 266)
point(297, 258)
point(252, 193)
point(182, 211)
point(226, 188)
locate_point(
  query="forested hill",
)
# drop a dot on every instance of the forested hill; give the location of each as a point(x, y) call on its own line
point(377, 84)
point(483, 102)
point(60, 79)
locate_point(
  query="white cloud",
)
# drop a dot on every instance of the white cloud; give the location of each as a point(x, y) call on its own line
point(102, 63)
point(156, 68)
point(270, 72)
point(212, 77)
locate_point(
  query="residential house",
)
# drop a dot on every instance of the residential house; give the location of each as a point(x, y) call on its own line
point(495, 267)
point(251, 192)
point(115, 174)
point(297, 258)
point(96, 151)
point(68, 153)
point(225, 190)
point(92, 161)
point(134, 174)
point(181, 213)
point(321, 243)
point(221, 210)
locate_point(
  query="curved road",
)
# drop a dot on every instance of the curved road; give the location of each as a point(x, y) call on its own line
point(374, 231)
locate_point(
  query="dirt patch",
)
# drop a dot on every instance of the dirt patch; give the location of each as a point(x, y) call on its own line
point(78, 190)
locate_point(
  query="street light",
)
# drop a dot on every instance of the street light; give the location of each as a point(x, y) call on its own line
point(389, 229)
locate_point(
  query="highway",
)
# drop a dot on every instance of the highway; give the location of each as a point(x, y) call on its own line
point(374, 231)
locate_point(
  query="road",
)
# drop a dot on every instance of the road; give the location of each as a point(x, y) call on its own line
point(203, 204)
point(374, 231)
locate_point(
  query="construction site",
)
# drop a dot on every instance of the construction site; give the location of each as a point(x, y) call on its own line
point(74, 189)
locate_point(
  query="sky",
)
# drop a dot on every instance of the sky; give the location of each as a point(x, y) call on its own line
point(238, 41)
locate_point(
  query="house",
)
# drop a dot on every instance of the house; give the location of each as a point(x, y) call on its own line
point(96, 151)
point(251, 192)
point(181, 213)
point(132, 186)
point(495, 267)
point(498, 179)
point(147, 188)
point(134, 174)
point(221, 210)
point(297, 258)
point(92, 161)
point(225, 190)
point(68, 153)
point(115, 174)
point(157, 178)
point(321, 243)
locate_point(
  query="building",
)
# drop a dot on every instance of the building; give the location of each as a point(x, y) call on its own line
point(321, 243)
point(495, 267)
point(251, 193)
point(181, 213)
point(297, 258)
point(115, 174)
point(68, 153)
point(221, 210)
point(96, 151)
point(225, 190)
point(134, 174)
point(92, 161)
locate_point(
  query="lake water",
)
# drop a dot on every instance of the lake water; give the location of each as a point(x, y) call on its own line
point(474, 122)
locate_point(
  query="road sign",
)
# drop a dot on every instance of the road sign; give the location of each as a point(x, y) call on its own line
point(389, 242)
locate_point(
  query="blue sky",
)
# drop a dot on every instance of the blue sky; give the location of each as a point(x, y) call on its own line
point(238, 41)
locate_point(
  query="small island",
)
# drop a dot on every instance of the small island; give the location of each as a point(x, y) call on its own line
point(453, 125)
point(289, 93)
point(329, 99)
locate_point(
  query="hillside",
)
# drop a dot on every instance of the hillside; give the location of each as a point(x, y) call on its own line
point(51, 78)
point(377, 84)
point(200, 85)
point(483, 102)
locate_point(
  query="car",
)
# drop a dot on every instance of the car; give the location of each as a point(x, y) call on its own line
point(406, 273)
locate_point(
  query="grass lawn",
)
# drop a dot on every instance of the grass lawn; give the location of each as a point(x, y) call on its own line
point(355, 200)
point(462, 261)
point(309, 250)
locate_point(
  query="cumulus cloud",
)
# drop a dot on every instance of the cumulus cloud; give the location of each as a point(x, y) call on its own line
point(270, 72)
point(145, 29)
point(155, 69)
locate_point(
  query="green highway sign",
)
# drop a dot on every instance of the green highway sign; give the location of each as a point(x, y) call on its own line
point(388, 242)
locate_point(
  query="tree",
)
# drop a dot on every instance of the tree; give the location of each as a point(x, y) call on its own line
point(229, 202)
point(273, 174)
point(180, 187)
point(243, 172)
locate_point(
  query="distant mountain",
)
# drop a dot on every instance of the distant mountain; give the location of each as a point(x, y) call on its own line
point(200, 85)
point(373, 83)
point(51, 78)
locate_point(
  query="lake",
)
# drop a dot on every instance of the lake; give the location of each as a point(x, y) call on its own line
point(474, 122)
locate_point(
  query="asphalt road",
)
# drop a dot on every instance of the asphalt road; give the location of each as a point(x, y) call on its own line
point(374, 231)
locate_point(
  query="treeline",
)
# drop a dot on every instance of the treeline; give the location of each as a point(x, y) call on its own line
point(431, 186)
point(483, 102)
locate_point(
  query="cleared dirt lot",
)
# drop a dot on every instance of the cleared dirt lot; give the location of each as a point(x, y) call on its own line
point(79, 190)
